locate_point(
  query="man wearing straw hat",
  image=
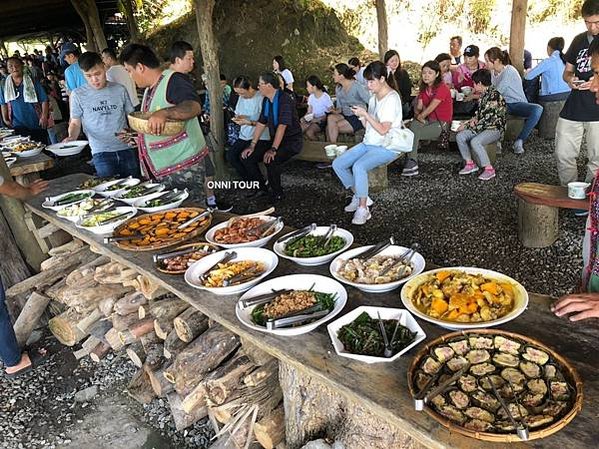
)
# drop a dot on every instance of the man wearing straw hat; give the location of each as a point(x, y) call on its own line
point(174, 160)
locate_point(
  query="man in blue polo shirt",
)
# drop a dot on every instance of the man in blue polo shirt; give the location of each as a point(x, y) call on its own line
point(73, 75)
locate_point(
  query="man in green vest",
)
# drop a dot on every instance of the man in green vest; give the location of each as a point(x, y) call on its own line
point(173, 160)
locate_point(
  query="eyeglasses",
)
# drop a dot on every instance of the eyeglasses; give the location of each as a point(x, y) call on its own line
point(587, 22)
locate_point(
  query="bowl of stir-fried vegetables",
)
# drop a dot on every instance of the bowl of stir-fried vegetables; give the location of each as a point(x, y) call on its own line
point(312, 250)
point(464, 297)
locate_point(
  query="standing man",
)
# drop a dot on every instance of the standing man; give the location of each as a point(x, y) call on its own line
point(455, 51)
point(116, 73)
point(101, 107)
point(580, 113)
point(29, 110)
point(15, 361)
point(182, 61)
point(73, 76)
point(174, 160)
point(279, 114)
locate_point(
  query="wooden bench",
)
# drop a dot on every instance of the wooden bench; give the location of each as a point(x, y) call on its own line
point(538, 212)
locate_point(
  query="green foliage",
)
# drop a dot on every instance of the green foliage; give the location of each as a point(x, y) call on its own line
point(480, 15)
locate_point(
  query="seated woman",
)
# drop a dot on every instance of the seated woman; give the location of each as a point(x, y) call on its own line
point(551, 70)
point(358, 68)
point(319, 102)
point(484, 128)
point(444, 61)
point(462, 75)
point(432, 115)
point(349, 93)
point(383, 115)
point(507, 81)
point(279, 66)
point(399, 79)
point(247, 113)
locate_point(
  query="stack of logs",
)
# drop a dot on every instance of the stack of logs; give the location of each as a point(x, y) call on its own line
point(201, 368)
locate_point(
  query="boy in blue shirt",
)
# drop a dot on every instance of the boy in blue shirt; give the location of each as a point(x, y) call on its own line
point(73, 75)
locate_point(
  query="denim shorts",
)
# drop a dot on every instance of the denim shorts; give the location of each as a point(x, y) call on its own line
point(117, 163)
point(354, 121)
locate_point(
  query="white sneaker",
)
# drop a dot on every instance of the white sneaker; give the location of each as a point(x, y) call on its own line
point(355, 202)
point(361, 216)
point(518, 147)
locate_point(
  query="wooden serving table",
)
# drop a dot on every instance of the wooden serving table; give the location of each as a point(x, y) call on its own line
point(31, 165)
point(368, 405)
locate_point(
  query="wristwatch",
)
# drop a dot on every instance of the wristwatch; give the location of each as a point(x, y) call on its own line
point(275, 149)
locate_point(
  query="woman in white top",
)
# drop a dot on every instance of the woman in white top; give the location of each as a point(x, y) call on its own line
point(355, 64)
point(279, 66)
point(319, 103)
point(383, 115)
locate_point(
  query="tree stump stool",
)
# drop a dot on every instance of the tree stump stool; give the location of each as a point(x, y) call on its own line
point(513, 127)
point(548, 122)
point(538, 212)
point(377, 179)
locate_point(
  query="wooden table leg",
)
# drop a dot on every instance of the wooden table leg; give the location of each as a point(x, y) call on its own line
point(538, 225)
point(377, 179)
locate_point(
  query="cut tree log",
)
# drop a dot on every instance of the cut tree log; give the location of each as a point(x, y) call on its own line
point(190, 324)
point(154, 349)
point(270, 430)
point(136, 330)
point(256, 355)
point(85, 270)
point(182, 419)
point(63, 259)
point(67, 248)
point(167, 309)
point(116, 278)
point(159, 383)
point(106, 306)
point(112, 338)
point(150, 289)
point(121, 323)
point(87, 298)
point(29, 317)
point(64, 327)
point(99, 352)
point(53, 291)
point(223, 382)
point(129, 303)
point(86, 347)
point(140, 388)
point(261, 373)
point(173, 345)
point(203, 355)
point(89, 320)
point(100, 328)
point(136, 353)
point(163, 327)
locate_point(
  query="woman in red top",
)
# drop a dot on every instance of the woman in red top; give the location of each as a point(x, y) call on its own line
point(433, 113)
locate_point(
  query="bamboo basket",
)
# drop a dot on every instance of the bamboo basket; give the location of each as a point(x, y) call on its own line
point(569, 372)
point(139, 122)
point(160, 265)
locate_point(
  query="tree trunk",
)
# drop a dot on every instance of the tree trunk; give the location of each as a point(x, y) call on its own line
point(190, 324)
point(99, 352)
point(204, 17)
point(381, 17)
point(223, 381)
point(112, 338)
point(3, 50)
point(76, 275)
point(136, 330)
point(182, 419)
point(154, 349)
point(130, 303)
point(538, 225)
point(517, 32)
point(131, 20)
point(89, 321)
point(88, 11)
point(29, 316)
point(173, 345)
point(160, 385)
point(140, 388)
point(136, 353)
point(64, 327)
point(270, 431)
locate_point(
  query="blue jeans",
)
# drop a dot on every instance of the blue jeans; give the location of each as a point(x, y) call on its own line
point(352, 167)
point(10, 353)
point(530, 111)
point(117, 163)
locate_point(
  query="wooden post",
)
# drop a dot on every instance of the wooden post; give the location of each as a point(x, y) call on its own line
point(88, 11)
point(381, 17)
point(538, 225)
point(517, 31)
point(3, 49)
point(204, 19)
point(131, 21)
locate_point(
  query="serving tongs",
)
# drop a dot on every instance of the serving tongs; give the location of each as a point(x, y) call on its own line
point(207, 212)
point(64, 201)
point(170, 197)
point(244, 276)
point(426, 394)
point(255, 214)
point(303, 317)
point(112, 219)
point(103, 206)
point(404, 259)
point(147, 191)
point(227, 257)
point(123, 238)
point(388, 343)
point(118, 183)
point(378, 248)
point(521, 428)
point(181, 252)
point(263, 299)
point(329, 235)
point(296, 234)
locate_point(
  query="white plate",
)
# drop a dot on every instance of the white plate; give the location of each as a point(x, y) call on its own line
point(102, 188)
point(131, 201)
point(393, 250)
point(49, 202)
point(520, 298)
point(320, 260)
point(108, 228)
point(405, 319)
point(75, 218)
point(193, 273)
point(75, 147)
point(31, 153)
point(296, 282)
point(256, 243)
point(140, 204)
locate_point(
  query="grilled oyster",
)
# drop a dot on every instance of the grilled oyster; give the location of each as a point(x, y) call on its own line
point(532, 400)
point(460, 347)
point(478, 356)
point(513, 376)
point(438, 401)
point(550, 371)
point(421, 380)
point(497, 381)
point(481, 342)
point(479, 413)
point(555, 408)
point(449, 411)
point(431, 366)
point(531, 369)
point(482, 369)
point(559, 391)
point(478, 425)
point(505, 359)
point(538, 420)
point(535, 355)
point(459, 399)
point(443, 353)
point(517, 412)
point(468, 383)
point(537, 386)
point(485, 401)
point(457, 363)
point(506, 345)
point(505, 426)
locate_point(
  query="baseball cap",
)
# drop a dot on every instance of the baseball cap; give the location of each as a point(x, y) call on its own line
point(67, 46)
point(471, 50)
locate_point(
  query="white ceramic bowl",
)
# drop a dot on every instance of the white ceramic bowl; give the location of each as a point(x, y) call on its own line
point(394, 250)
point(340, 150)
point(31, 153)
point(102, 189)
point(455, 124)
point(151, 196)
point(256, 243)
point(140, 204)
point(68, 148)
point(279, 248)
point(296, 282)
point(193, 273)
point(110, 227)
point(75, 218)
point(520, 298)
point(330, 150)
point(578, 190)
point(405, 319)
point(49, 202)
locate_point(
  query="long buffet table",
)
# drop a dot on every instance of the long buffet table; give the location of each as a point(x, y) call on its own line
point(380, 390)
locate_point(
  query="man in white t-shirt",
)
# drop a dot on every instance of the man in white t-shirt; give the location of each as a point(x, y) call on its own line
point(116, 73)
